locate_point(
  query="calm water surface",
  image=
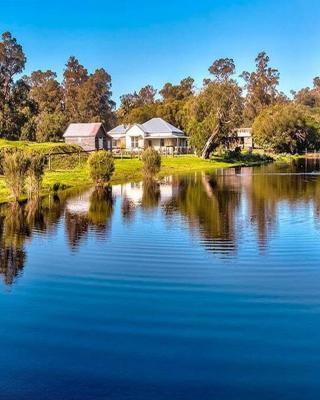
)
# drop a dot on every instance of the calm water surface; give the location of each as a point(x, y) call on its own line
point(205, 286)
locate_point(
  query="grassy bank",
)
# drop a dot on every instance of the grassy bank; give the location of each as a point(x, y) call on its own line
point(126, 170)
point(67, 172)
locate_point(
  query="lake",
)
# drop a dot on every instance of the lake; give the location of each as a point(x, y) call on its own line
point(204, 286)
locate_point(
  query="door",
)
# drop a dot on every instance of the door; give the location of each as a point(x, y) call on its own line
point(100, 143)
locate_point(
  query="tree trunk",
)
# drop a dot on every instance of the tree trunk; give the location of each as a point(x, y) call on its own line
point(210, 144)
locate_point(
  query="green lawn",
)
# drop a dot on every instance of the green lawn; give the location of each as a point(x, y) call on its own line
point(126, 170)
point(67, 172)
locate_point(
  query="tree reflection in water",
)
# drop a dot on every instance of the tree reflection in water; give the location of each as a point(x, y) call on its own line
point(92, 209)
point(209, 206)
point(14, 232)
point(101, 209)
point(151, 194)
point(221, 208)
point(17, 223)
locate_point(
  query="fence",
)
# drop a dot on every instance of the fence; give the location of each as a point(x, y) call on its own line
point(76, 158)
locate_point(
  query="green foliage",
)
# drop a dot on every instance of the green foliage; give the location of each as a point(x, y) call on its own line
point(50, 126)
point(15, 166)
point(38, 107)
point(101, 167)
point(261, 86)
point(178, 92)
point(151, 161)
point(215, 111)
point(236, 155)
point(34, 175)
point(222, 69)
point(287, 128)
point(309, 97)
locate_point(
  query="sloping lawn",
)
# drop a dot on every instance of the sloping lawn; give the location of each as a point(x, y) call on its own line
point(125, 170)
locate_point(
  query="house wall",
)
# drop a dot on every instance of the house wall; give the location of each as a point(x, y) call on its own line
point(119, 143)
point(168, 142)
point(135, 132)
point(87, 143)
point(90, 143)
point(247, 142)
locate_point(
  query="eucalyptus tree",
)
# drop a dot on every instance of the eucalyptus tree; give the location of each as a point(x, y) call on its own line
point(217, 110)
point(261, 87)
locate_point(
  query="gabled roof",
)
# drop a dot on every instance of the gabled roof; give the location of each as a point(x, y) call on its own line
point(141, 126)
point(83, 130)
point(155, 127)
point(158, 125)
point(119, 130)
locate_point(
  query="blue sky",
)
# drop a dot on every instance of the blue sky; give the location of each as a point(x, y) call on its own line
point(141, 42)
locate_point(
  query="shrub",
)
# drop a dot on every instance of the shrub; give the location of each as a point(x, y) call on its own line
point(151, 161)
point(286, 128)
point(36, 165)
point(15, 165)
point(243, 156)
point(101, 167)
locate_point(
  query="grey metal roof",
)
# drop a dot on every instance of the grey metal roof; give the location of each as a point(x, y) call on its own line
point(158, 125)
point(153, 127)
point(82, 130)
point(119, 130)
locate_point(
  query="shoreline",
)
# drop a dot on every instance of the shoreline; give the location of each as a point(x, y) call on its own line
point(126, 170)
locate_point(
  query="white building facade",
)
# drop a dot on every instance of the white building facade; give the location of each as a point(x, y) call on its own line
point(155, 133)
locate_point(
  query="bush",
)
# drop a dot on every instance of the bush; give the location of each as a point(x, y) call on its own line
point(15, 166)
point(101, 167)
point(243, 156)
point(286, 128)
point(35, 172)
point(151, 161)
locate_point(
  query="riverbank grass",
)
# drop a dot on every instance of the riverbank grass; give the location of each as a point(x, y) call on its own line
point(125, 170)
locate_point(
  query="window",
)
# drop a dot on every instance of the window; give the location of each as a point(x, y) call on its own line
point(161, 142)
point(134, 142)
point(114, 143)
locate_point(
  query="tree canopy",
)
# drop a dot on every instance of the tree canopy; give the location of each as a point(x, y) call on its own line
point(287, 128)
point(39, 107)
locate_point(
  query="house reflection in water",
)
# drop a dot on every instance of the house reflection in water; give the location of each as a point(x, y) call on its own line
point(226, 211)
point(90, 209)
point(146, 195)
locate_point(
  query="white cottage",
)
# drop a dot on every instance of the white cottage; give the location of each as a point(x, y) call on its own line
point(156, 133)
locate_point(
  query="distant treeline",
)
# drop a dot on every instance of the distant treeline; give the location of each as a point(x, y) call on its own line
point(39, 107)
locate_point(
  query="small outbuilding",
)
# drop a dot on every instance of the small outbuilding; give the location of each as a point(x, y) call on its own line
point(90, 136)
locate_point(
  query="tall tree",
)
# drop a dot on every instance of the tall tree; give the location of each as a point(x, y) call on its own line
point(178, 92)
point(12, 62)
point(136, 101)
point(222, 69)
point(13, 98)
point(94, 103)
point(216, 111)
point(87, 98)
point(75, 75)
point(261, 86)
point(147, 95)
point(309, 97)
point(46, 92)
